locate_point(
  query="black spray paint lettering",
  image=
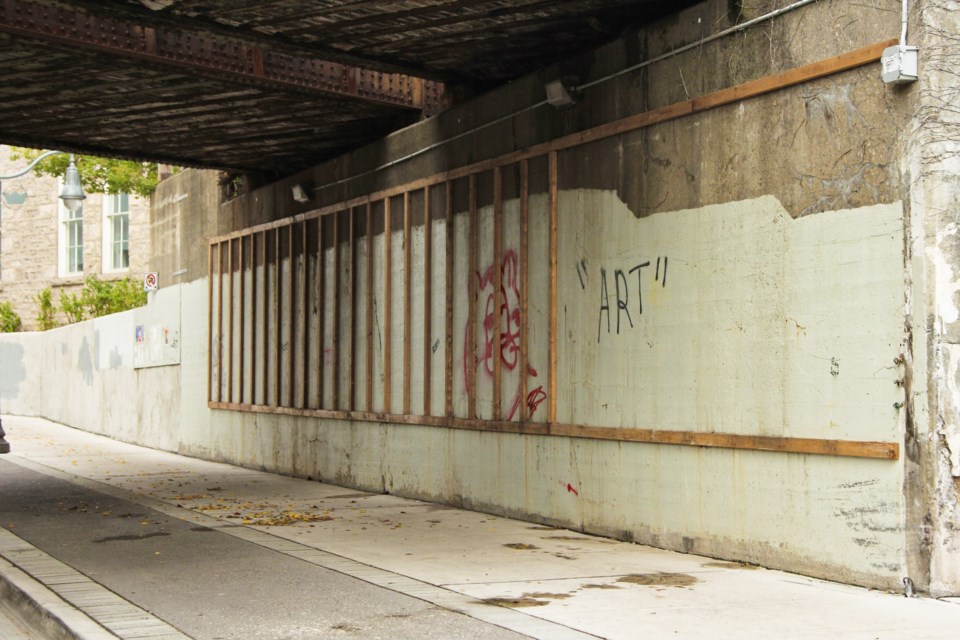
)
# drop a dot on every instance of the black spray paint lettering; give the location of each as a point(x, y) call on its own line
point(622, 292)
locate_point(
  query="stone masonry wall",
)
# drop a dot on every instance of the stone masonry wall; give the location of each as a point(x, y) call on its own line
point(29, 240)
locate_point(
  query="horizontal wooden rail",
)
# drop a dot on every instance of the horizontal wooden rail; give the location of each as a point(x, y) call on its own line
point(813, 446)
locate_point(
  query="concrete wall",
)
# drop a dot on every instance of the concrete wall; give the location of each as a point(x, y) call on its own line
point(795, 227)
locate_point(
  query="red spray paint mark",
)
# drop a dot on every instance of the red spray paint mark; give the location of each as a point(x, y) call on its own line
point(509, 326)
point(570, 489)
point(535, 398)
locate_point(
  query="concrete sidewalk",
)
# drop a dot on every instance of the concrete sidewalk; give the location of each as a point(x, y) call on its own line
point(146, 544)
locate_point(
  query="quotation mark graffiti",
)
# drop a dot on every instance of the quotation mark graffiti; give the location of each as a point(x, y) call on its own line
point(582, 274)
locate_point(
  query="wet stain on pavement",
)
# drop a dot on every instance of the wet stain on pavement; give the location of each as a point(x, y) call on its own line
point(522, 546)
point(731, 565)
point(548, 596)
point(660, 579)
point(142, 536)
point(599, 586)
point(515, 603)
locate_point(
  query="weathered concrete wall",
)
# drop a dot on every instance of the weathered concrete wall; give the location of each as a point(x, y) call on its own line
point(787, 303)
point(931, 170)
point(183, 214)
point(89, 381)
point(781, 220)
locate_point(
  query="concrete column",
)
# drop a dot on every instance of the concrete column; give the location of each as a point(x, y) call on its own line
point(932, 176)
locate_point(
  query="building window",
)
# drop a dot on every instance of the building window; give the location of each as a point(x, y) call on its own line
point(116, 232)
point(70, 238)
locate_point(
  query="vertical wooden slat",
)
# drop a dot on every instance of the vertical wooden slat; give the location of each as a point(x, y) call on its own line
point(524, 289)
point(277, 324)
point(220, 339)
point(368, 350)
point(321, 310)
point(552, 371)
point(335, 321)
point(243, 316)
point(230, 324)
point(497, 296)
point(387, 304)
point(305, 336)
point(448, 303)
point(352, 350)
point(406, 302)
point(471, 334)
point(427, 300)
point(210, 320)
point(253, 318)
point(264, 334)
point(292, 320)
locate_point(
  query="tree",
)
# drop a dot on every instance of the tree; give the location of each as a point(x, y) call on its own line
point(99, 175)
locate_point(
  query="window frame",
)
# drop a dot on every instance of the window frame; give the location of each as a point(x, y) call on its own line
point(113, 213)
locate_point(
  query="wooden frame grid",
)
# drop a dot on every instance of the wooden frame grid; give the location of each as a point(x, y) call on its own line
point(224, 342)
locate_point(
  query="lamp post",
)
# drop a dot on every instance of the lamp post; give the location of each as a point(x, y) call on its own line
point(72, 196)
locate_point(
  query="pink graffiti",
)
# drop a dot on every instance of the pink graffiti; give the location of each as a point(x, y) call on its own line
point(509, 327)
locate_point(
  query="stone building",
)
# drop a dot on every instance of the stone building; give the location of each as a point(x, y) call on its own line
point(44, 245)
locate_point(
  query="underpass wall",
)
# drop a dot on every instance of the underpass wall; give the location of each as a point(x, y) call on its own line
point(742, 271)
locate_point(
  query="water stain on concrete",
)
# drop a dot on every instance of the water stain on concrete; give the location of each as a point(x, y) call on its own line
point(599, 586)
point(144, 536)
point(522, 546)
point(85, 362)
point(730, 565)
point(660, 579)
point(515, 603)
point(13, 371)
point(548, 596)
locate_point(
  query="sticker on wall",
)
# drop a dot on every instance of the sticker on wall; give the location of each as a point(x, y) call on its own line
point(151, 281)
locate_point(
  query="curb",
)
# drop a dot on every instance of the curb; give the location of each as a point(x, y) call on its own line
point(45, 611)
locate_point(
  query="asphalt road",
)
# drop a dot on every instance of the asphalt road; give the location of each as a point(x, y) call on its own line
point(210, 585)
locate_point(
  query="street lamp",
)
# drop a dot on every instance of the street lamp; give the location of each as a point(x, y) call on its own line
point(72, 192)
point(72, 196)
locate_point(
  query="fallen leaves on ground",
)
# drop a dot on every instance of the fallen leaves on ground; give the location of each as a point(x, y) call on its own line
point(284, 518)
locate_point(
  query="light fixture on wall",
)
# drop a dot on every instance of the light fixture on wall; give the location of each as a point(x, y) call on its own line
point(72, 192)
point(560, 92)
point(302, 191)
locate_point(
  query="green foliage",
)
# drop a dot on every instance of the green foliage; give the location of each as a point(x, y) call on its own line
point(101, 298)
point(45, 310)
point(72, 306)
point(9, 320)
point(100, 175)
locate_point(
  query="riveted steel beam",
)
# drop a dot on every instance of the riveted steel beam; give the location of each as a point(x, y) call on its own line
point(223, 58)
